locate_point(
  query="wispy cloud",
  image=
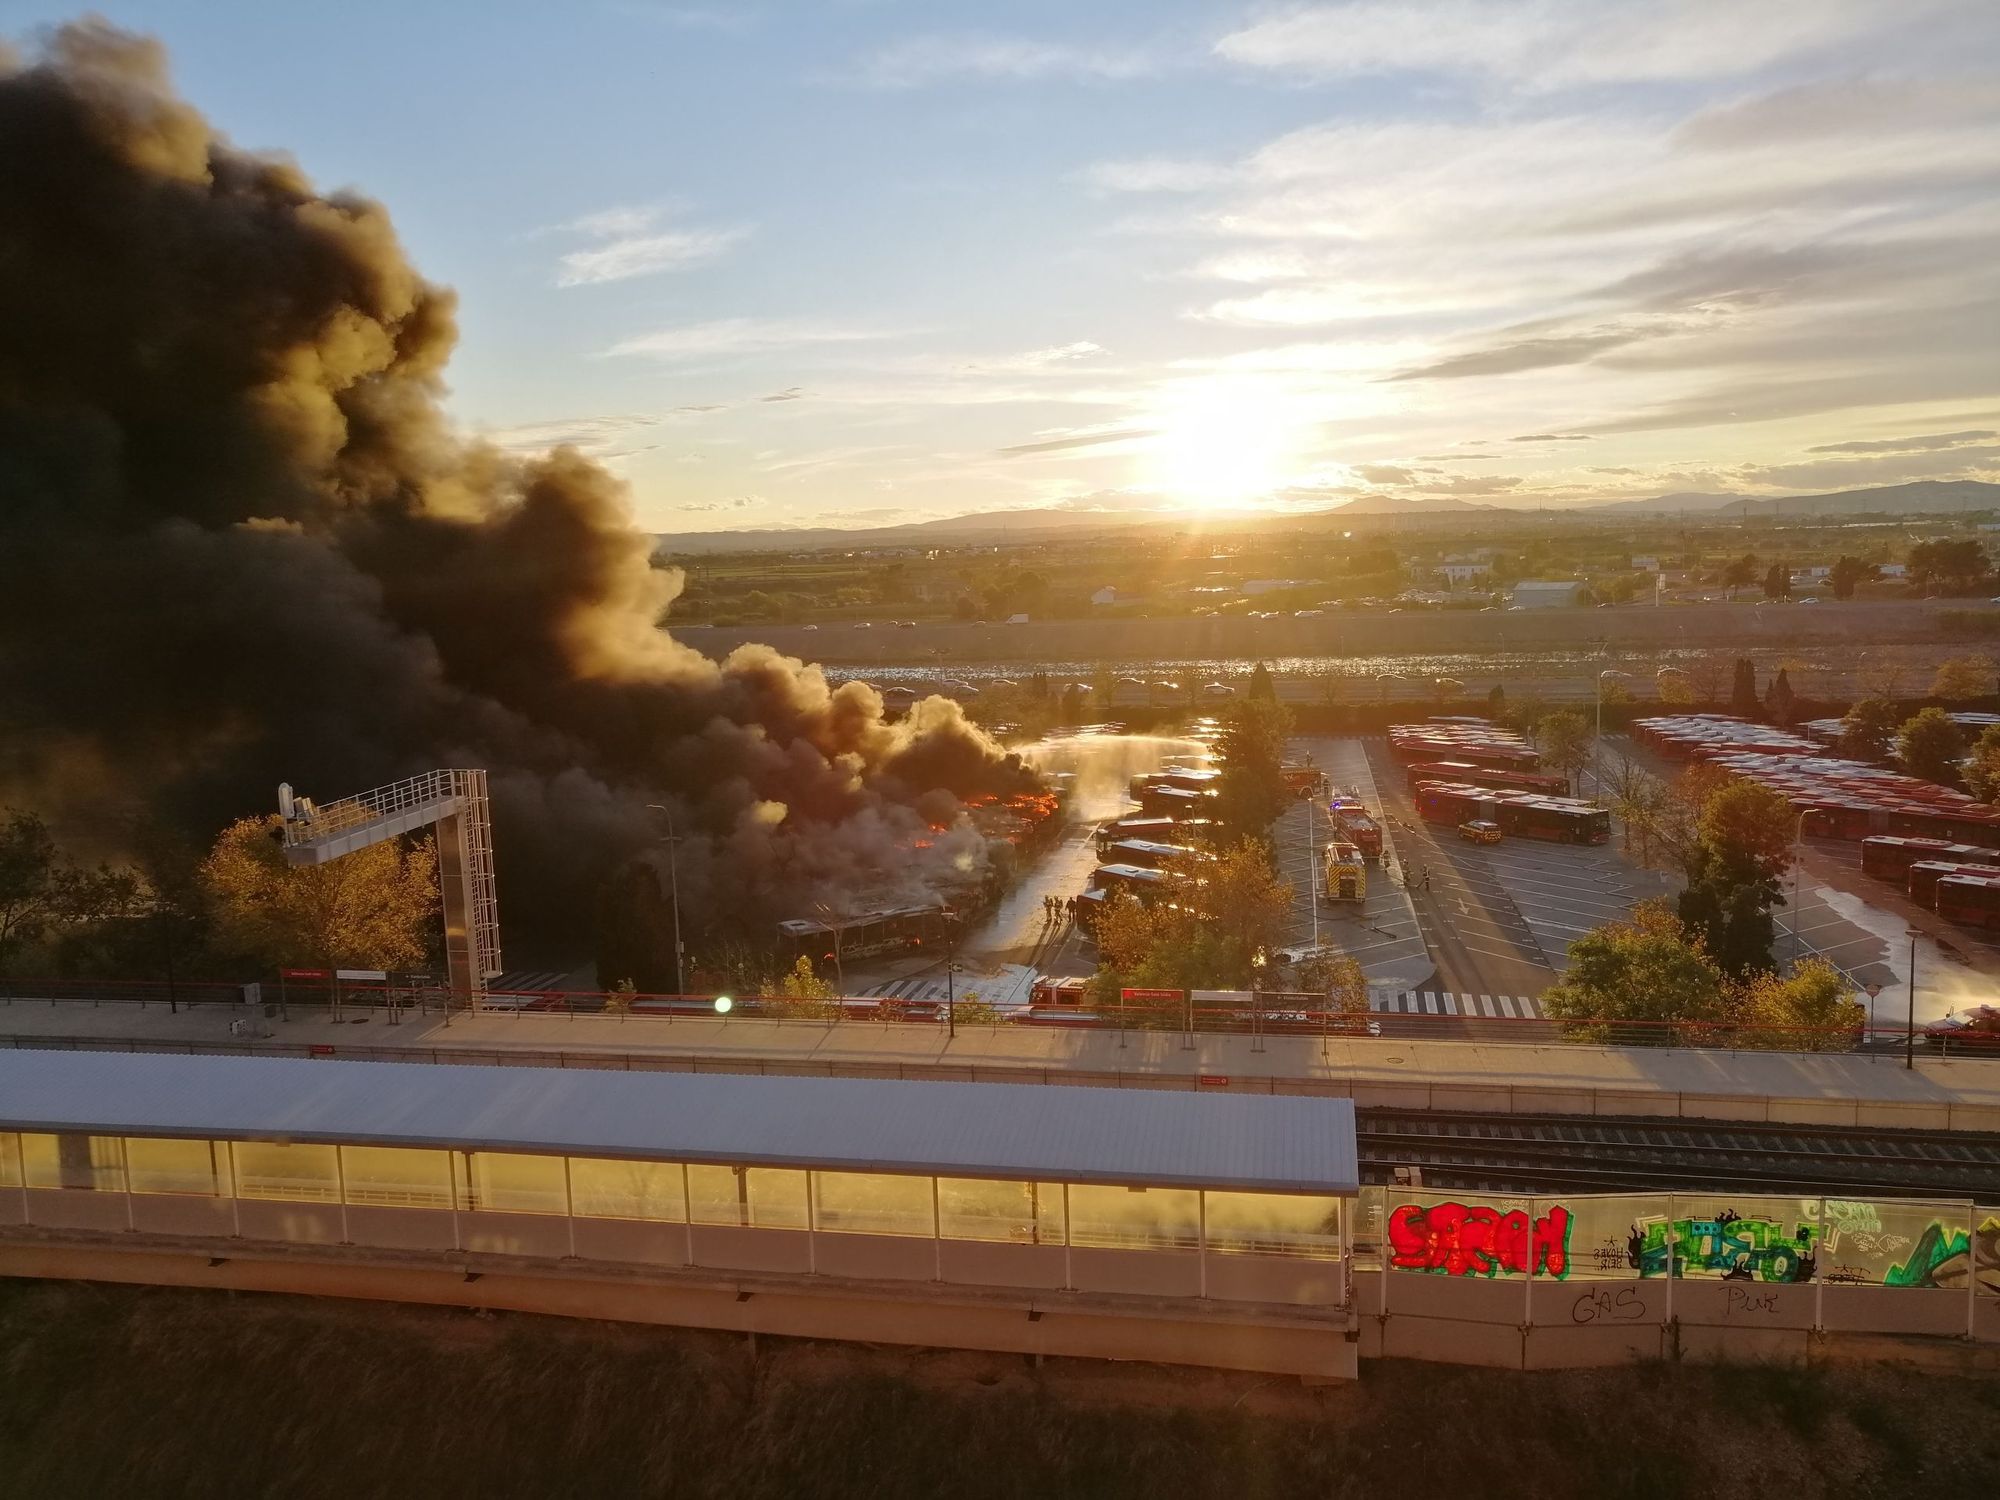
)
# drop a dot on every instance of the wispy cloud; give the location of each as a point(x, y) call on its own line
point(1926, 444)
point(1548, 45)
point(599, 436)
point(1073, 440)
point(631, 242)
point(932, 59)
point(740, 336)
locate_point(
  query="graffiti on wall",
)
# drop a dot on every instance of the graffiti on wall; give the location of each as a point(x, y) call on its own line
point(1458, 1239)
point(1737, 1247)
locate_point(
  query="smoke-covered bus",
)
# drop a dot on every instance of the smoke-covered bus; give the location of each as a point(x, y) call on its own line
point(1560, 820)
point(863, 935)
point(1183, 831)
point(1465, 773)
point(1148, 854)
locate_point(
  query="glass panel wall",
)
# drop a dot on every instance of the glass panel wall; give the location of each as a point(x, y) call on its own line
point(506, 1183)
point(397, 1176)
point(748, 1197)
point(307, 1174)
point(1012, 1213)
point(608, 1189)
point(158, 1166)
point(872, 1203)
point(88, 1163)
point(10, 1159)
point(1274, 1224)
point(1134, 1218)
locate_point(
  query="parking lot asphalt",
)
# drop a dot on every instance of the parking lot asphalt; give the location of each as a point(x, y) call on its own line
point(1499, 918)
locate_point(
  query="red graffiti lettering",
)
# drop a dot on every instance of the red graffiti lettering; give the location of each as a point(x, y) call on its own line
point(1462, 1240)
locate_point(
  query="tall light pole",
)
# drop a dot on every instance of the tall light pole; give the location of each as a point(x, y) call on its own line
point(1910, 1036)
point(1597, 743)
point(1798, 859)
point(834, 926)
point(674, 886)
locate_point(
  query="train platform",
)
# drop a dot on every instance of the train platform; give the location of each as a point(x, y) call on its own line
point(1529, 1077)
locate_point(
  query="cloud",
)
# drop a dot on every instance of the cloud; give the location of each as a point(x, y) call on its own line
point(632, 244)
point(1542, 45)
point(1156, 174)
point(1529, 354)
point(598, 436)
point(789, 393)
point(1853, 473)
point(1465, 484)
point(1618, 470)
point(1926, 444)
point(738, 336)
point(1552, 437)
point(1830, 108)
point(1074, 440)
point(1032, 360)
point(742, 502)
point(1385, 474)
point(932, 59)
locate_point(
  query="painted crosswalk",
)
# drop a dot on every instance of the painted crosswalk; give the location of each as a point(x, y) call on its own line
point(919, 988)
point(1448, 1003)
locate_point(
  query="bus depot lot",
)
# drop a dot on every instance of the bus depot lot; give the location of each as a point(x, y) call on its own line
point(1500, 918)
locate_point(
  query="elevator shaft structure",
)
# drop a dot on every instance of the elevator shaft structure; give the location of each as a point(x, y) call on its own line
point(453, 801)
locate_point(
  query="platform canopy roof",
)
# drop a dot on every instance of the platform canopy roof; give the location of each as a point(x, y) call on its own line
point(1139, 1136)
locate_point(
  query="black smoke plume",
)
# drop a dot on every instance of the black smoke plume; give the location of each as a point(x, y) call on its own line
point(239, 543)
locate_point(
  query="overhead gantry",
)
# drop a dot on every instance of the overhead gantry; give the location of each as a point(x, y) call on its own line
point(453, 801)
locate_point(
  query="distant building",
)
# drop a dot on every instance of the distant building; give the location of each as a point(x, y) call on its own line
point(1105, 595)
point(1893, 570)
point(1536, 594)
point(1252, 587)
point(1456, 573)
point(1646, 564)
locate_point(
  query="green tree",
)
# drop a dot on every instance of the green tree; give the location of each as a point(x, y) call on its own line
point(1647, 968)
point(1338, 979)
point(1846, 572)
point(376, 908)
point(1743, 847)
point(1496, 702)
point(1777, 582)
point(1982, 772)
point(1929, 746)
point(1262, 689)
point(634, 930)
point(1223, 914)
point(1779, 701)
point(1742, 572)
point(1867, 730)
point(44, 897)
point(799, 994)
point(1811, 1010)
point(1250, 793)
point(1743, 691)
point(1565, 739)
point(1961, 677)
point(1948, 563)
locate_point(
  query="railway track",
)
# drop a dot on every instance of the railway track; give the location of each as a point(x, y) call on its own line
point(1539, 1153)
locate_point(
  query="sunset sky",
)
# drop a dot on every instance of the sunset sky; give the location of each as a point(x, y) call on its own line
point(863, 262)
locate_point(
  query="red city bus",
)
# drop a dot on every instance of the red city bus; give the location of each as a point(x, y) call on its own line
point(1925, 874)
point(1562, 820)
point(1465, 773)
point(1970, 900)
point(1889, 857)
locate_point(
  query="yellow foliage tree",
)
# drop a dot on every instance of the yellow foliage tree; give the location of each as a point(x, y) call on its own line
point(1812, 1010)
point(373, 909)
point(798, 993)
point(1963, 677)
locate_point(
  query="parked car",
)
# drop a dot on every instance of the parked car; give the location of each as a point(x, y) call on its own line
point(1218, 690)
point(1480, 831)
point(1976, 1027)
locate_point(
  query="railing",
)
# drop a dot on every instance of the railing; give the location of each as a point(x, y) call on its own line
point(1298, 1016)
point(366, 807)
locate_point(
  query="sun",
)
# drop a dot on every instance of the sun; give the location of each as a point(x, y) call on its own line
point(1223, 444)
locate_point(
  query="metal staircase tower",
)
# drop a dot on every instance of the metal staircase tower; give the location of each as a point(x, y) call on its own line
point(454, 801)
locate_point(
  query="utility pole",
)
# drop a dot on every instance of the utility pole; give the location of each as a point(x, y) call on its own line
point(674, 887)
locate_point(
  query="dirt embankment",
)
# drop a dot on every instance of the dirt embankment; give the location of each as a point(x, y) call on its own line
point(139, 1393)
point(1339, 633)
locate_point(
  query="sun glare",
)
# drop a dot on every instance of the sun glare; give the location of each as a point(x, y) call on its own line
point(1224, 444)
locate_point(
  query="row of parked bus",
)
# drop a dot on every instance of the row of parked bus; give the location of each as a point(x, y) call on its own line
point(1528, 815)
point(1960, 882)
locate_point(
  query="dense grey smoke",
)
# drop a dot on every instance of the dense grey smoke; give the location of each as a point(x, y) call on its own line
point(239, 543)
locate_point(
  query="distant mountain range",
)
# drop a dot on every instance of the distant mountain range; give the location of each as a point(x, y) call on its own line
point(1923, 497)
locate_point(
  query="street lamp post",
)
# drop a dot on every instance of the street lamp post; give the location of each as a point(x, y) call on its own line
point(1257, 965)
point(673, 841)
point(1910, 1035)
point(1597, 741)
point(950, 974)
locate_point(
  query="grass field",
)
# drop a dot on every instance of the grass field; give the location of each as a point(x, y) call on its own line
point(134, 1392)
